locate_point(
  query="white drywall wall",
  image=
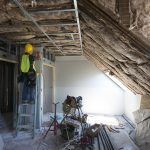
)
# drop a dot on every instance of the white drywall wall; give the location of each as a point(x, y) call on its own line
point(75, 76)
point(132, 103)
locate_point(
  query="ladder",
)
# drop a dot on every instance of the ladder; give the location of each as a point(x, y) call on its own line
point(26, 117)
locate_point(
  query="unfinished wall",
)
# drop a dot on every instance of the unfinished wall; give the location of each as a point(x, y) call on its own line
point(77, 77)
point(39, 70)
point(132, 103)
point(47, 88)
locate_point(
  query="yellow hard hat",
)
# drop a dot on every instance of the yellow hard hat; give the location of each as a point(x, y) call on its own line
point(28, 48)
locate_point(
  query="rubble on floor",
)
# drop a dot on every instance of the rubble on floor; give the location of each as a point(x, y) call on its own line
point(120, 130)
point(121, 136)
point(26, 143)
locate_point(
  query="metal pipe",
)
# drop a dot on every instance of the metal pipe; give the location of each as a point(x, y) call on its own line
point(51, 10)
point(45, 43)
point(31, 33)
point(36, 24)
point(59, 24)
point(98, 141)
point(77, 18)
point(64, 45)
point(72, 33)
point(103, 142)
point(44, 24)
point(108, 138)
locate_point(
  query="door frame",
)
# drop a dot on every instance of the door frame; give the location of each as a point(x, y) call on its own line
point(53, 84)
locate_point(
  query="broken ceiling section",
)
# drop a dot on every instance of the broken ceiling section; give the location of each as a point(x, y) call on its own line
point(111, 46)
point(58, 19)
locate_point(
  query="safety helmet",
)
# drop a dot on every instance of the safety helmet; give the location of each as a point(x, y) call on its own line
point(28, 48)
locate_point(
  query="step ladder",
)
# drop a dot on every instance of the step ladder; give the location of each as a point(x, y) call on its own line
point(26, 117)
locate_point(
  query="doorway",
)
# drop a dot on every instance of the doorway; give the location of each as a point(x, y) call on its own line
point(7, 88)
point(47, 92)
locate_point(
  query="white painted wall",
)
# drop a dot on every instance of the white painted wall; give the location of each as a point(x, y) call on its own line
point(132, 103)
point(76, 76)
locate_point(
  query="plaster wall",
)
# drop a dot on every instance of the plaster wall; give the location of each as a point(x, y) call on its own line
point(132, 103)
point(75, 76)
point(47, 88)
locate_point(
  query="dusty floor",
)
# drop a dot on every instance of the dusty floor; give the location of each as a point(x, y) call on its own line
point(51, 142)
point(6, 122)
point(120, 140)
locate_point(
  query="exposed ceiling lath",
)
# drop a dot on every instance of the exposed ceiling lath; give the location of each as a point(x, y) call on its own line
point(58, 23)
point(112, 47)
point(123, 52)
point(36, 24)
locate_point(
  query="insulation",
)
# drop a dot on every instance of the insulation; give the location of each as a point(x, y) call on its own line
point(106, 42)
point(142, 119)
point(57, 18)
point(140, 13)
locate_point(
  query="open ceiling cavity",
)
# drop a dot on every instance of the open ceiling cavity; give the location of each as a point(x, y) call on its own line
point(58, 23)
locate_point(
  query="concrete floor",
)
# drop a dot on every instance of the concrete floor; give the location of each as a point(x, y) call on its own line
point(125, 138)
point(50, 143)
point(119, 140)
point(6, 123)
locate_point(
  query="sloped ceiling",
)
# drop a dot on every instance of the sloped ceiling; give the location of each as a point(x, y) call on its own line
point(111, 46)
point(114, 48)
